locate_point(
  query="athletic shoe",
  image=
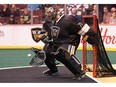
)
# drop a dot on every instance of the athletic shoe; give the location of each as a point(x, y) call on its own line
point(79, 76)
point(48, 72)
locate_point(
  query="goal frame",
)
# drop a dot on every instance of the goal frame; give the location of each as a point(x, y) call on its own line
point(94, 48)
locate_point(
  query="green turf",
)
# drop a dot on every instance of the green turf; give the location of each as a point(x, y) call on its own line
point(14, 58)
point(18, 57)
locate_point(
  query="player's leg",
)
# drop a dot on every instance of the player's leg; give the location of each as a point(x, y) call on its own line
point(50, 62)
point(72, 63)
point(77, 65)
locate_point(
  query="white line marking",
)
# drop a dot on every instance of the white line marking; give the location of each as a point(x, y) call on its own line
point(24, 67)
point(15, 67)
point(93, 78)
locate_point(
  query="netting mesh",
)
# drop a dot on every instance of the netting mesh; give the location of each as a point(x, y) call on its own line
point(89, 56)
point(103, 66)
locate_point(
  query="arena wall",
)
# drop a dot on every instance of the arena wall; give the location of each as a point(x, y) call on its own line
point(19, 37)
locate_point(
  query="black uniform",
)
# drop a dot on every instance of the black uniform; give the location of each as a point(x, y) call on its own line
point(67, 39)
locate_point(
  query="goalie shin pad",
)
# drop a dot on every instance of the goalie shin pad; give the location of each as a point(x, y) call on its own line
point(76, 63)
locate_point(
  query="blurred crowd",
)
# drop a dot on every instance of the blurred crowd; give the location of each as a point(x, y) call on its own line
point(34, 13)
point(109, 16)
point(15, 14)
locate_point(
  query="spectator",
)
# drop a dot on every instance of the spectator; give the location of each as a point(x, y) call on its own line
point(106, 15)
point(12, 20)
point(94, 12)
point(113, 9)
point(32, 7)
point(113, 18)
point(5, 11)
point(27, 16)
point(74, 13)
point(21, 20)
point(14, 10)
point(69, 8)
point(98, 14)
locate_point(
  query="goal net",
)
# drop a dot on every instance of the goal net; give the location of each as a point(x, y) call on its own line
point(95, 58)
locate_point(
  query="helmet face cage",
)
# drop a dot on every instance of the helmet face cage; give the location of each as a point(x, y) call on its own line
point(49, 11)
point(50, 14)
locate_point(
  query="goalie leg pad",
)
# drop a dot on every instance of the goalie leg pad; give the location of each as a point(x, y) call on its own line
point(76, 63)
point(70, 61)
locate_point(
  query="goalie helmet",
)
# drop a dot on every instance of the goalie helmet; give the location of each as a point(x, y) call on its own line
point(50, 14)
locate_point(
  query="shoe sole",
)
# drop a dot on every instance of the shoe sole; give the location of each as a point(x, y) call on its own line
point(79, 78)
point(53, 74)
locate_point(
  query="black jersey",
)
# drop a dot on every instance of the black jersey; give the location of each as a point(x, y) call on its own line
point(67, 32)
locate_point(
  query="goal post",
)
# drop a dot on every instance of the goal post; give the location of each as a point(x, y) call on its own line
point(91, 20)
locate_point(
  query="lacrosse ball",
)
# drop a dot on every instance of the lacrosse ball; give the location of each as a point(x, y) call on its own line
point(29, 55)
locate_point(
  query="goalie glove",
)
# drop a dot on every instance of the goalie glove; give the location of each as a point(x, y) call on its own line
point(91, 37)
point(87, 33)
point(44, 37)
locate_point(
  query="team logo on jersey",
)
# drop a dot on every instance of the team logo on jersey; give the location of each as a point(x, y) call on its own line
point(35, 32)
point(55, 32)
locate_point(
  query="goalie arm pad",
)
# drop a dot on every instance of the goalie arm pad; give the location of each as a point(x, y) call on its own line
point(79, 28)
point(85, 31)
point(84, 28)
